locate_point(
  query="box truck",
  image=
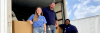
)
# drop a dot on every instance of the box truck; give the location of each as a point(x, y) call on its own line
point(87, 25)
point(14, 14)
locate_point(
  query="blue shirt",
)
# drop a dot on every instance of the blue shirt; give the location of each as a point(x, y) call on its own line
point(68, 28)
point(40, 22)
point(50, 16)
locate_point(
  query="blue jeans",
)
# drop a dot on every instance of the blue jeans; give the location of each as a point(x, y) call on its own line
point(38, 30)
point(51, 29)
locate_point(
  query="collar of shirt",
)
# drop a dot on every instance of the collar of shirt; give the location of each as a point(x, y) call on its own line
point(67, 25)
point(39, 15)
point(49, 8)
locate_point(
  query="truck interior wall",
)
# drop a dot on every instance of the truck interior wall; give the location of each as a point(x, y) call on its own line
point(23, 12)
point(56, 9)
point(59, 15)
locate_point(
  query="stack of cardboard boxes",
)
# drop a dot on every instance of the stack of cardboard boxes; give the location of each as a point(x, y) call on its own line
point(25, 27)
point(21, 27)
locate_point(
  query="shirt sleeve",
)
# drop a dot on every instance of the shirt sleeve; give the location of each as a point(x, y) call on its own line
point(44, 20)
point(31, 17)
point(56, 17)
point(43, 10)
point(61, 25)
point(75, 29)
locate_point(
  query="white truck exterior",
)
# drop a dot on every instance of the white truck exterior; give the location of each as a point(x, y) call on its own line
point(87, 25)
point(6, 14)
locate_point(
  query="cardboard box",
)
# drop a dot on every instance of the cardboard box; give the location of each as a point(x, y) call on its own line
point(25, 27)
point(21, 27)
point(58, 30)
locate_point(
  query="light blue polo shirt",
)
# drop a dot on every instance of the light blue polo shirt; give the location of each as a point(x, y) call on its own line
point(40, 22)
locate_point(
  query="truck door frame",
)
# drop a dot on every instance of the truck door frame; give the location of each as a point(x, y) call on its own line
point(3, 16)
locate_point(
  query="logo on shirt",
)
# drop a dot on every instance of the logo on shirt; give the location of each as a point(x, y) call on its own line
point(40, 19)
point(68, 27)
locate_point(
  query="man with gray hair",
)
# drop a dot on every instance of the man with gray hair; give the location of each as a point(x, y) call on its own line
point(51, 18)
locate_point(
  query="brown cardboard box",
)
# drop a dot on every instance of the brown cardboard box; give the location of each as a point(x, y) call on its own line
point(21, 27)
point(58, 30)
point(25, 27)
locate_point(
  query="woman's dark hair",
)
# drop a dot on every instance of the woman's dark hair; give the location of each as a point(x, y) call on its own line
point(67, 19)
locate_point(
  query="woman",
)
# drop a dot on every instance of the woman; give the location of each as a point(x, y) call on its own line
point(38, 21)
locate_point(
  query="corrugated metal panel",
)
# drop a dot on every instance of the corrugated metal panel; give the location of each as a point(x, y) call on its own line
point(87, 25)
point(99, 24)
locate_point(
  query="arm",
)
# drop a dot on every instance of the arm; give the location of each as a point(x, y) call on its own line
point(45, 28)
point(75, 29)
point(43, 10)
point(30, 19)
point(56, 21)
point(45, 24)
point(61, 26)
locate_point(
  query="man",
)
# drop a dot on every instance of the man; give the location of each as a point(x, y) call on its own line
point(51, 18)
point(68, 28)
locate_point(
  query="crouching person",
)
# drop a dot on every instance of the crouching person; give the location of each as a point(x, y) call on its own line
point(68, 28)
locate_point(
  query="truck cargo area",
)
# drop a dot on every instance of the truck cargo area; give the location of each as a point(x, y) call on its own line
point(23, 9)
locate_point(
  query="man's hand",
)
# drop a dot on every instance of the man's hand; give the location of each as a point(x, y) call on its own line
point(56, 24)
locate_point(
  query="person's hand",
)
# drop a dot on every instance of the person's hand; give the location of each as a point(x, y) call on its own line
point(31, 22)
point(44, 32)
point(28, 21)
point(56, 26)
